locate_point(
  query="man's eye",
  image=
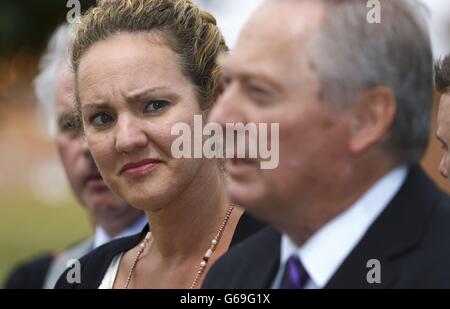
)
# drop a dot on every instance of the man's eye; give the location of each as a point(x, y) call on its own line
point(101, 119)
point(69, 130)
point(69, 124)
point(225, 81)
point(259, 95)
point(156, 106)
point(257, 90)
point(66, 127)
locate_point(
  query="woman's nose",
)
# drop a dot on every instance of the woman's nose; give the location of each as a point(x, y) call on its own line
point(130, 135)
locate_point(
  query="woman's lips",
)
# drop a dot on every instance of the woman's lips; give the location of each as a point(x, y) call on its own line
point(138, 169)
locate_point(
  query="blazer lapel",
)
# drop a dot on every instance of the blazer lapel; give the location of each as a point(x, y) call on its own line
point(399, 228)
point(262, 260)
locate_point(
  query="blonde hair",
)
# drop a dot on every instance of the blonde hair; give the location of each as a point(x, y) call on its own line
point(190, 32)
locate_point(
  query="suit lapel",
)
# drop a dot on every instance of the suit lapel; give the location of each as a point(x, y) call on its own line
point(262, 260)
point(399, 228)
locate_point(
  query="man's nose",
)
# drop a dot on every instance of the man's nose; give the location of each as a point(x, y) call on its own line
point(83, 144)
point(228, 108)
point(443, 167)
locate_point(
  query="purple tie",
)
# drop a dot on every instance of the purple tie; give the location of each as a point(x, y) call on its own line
point(295, 275)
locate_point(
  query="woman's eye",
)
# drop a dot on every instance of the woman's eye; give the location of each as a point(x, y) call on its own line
point(101, 119)
point(155, 106)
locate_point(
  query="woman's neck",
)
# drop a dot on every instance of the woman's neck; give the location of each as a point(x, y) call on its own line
point(187, 226)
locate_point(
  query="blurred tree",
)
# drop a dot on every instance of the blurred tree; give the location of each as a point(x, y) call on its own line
point(26, 25)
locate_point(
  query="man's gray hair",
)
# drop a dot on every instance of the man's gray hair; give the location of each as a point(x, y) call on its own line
point(352, 55)
point(45, 83)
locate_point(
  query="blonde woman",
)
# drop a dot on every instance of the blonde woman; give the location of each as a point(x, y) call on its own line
point(141, 66)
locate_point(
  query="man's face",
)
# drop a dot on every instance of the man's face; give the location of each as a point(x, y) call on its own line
point(82, 173)
point(269, 79)
point(443, 134)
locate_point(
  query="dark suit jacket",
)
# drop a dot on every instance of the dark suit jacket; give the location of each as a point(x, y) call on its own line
point(411, 239)
point(43, 271)
point(95, 264)
point(31, 274)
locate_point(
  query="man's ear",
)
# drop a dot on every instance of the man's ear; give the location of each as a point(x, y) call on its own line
point(371, 117)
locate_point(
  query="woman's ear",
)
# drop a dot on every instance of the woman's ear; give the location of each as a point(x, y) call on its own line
point(371, 118)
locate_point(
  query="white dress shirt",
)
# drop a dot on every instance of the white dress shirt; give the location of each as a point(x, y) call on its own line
point(101, 237)
point(328, 248)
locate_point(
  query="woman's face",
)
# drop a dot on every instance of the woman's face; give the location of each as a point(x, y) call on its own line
point(132, 92)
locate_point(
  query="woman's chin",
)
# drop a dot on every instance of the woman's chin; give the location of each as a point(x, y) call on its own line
point(147, 202)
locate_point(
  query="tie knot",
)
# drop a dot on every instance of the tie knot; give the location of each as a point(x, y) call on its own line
point(295, 275)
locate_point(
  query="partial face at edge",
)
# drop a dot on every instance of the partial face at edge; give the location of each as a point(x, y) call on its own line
point(443, 134)
point(82, 173)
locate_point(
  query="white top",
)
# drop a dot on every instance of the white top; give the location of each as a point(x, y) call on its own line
point(102, 237)
point(327, 249)
point(111, 273)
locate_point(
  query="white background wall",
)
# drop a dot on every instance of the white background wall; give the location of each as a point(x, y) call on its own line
point(232, 15)
point(439, 20)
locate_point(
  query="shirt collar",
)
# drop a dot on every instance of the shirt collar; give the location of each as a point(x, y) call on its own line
point(101, 237)
point(327, 249)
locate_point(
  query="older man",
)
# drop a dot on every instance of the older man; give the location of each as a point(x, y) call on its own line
point(112, 217)
point(350, 205)
point(443, 131)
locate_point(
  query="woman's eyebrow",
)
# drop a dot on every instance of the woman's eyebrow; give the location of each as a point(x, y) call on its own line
point(94, 105)
point(139, 93)
point(133, 96)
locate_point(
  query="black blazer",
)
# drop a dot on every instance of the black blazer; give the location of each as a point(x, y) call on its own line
point(410, 239)
point(31, 274)
point(95, 264)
